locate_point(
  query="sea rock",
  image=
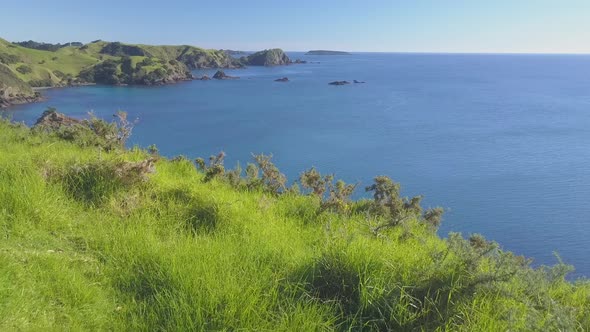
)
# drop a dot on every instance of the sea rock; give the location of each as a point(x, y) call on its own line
point(220, 75)
point(204, 78)
point(358, 82)
point(284, 79)
point(273, 57)
point(299, 61)
point(51, 119)
point(339, 83)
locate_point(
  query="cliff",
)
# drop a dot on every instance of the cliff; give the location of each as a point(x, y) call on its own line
point(31, 64)
point(272, 57)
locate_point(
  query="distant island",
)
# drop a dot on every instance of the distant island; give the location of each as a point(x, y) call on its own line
point(325, 52)
point(30, 64)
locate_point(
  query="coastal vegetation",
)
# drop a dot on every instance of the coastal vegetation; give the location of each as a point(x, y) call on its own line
point(31, 64)
point(97, 236)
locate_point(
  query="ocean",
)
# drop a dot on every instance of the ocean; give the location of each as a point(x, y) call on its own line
point(502, 142)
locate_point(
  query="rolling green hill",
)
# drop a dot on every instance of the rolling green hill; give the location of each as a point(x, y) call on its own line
point(99, 238)
point(106, 63)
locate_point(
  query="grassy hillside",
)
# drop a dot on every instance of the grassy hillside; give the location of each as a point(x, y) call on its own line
point(104, 63)
point(92, 239)
point(44, 68)
point(113, 63)
point(13, 90)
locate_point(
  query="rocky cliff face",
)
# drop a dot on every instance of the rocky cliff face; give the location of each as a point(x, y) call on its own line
point(195, 58)
point(273, 57)
point(150, 71)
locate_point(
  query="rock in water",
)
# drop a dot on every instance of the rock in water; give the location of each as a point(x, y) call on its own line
point(339, 83)
point(220, 75)
point(273, 57)
point(284, 79)
point(358, 82)
point(51, 119)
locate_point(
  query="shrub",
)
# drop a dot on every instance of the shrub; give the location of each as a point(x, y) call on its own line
point(153, 150)
point(147, 62)
point(9, 58)
point(313, 180)
point(24, 69)
point(388, 203)
point(93, 183)
point(104, 73)
point(338, 193)
point(41, 83)
point(272, 179)
point(214, 169)
point(59, 74)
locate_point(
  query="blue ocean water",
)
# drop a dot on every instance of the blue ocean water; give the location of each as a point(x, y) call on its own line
point(501, 141)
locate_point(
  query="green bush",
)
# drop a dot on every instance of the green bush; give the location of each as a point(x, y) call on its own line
point(59, 74)
point(41, 83)
point(9, 58)
point(24, 69)
point(94, 183)
point(388, 203)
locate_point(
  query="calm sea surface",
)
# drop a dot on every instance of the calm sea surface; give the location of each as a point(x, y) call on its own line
point(501, 141)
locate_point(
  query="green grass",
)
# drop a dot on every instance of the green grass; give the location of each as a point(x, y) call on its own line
point(49, 68)
point(9, 78)
point(82, 249)
point(68, 60)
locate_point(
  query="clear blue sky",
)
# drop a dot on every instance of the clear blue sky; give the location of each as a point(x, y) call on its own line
point(538, 26)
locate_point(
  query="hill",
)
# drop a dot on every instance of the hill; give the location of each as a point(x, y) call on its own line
point(272, 57)
point(35, 64)
point(13, 90)
point(325, 52)
point(97, 237)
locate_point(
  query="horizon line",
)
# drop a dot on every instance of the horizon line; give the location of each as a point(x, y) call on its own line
point(352, 52)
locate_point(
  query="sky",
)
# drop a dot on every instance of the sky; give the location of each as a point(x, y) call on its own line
point(478, 26)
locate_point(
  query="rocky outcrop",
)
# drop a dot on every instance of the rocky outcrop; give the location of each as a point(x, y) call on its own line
point(273, 57)
point(283, 79)
point(8, 97)
point(204, 78)
point(220, 75)
point(339, 83)
point(358, 82)
point(51, 119)
point(196, 58)
point(148, 72)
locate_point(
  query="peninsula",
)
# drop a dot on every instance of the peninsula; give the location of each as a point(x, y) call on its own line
point(27, 65)
point(325, 52)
